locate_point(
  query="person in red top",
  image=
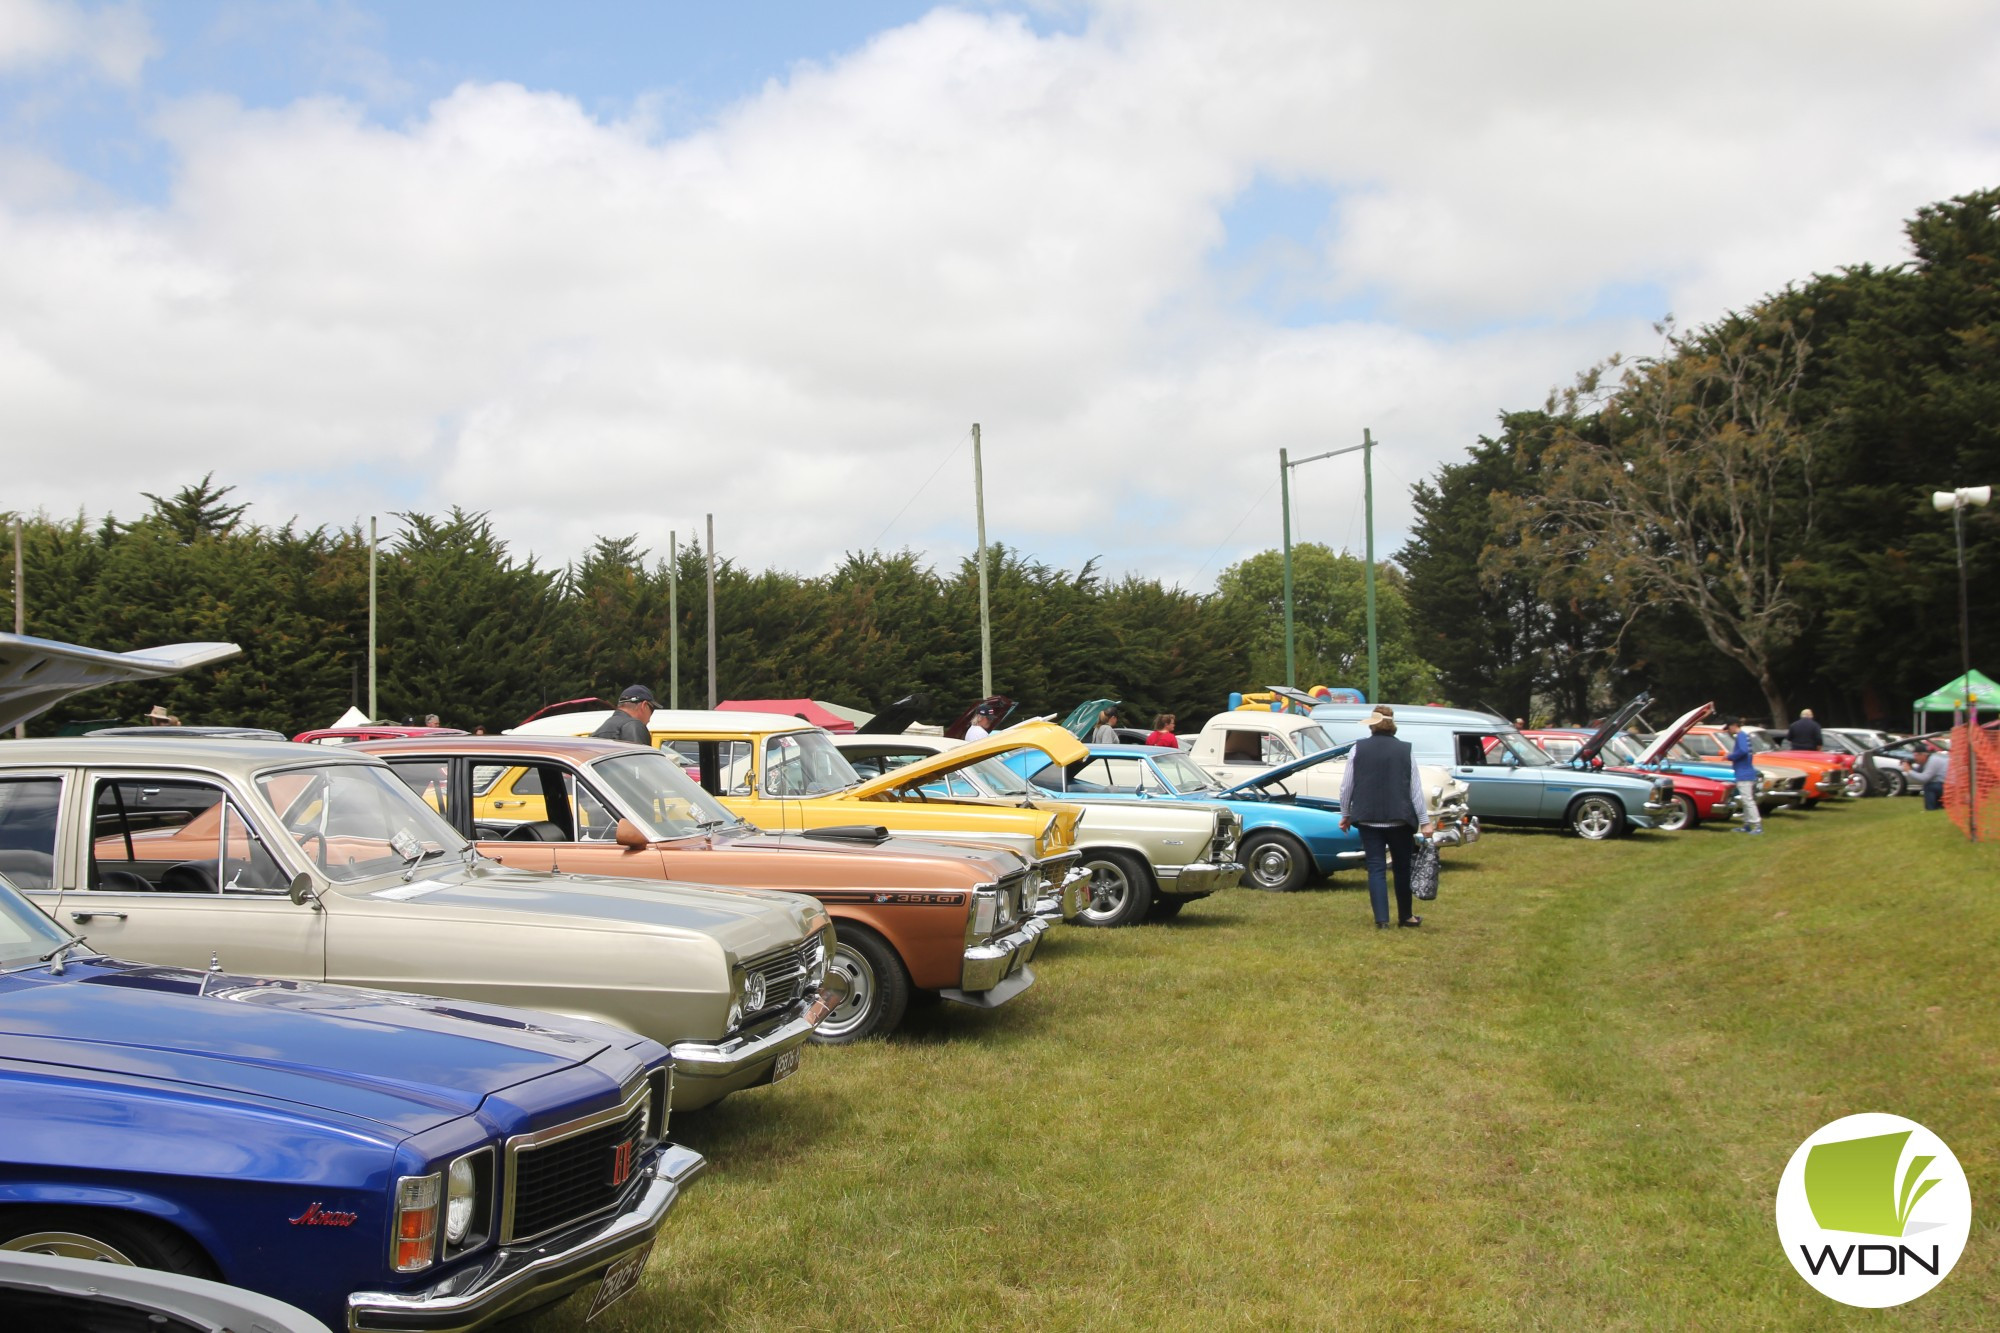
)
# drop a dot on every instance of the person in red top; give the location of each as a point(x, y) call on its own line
point(1163, 732)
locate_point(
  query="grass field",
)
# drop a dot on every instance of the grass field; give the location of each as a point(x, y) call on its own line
point(1563, 1103)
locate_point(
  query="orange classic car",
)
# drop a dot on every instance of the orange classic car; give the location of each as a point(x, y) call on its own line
point(909, 915)
point(1827, 774)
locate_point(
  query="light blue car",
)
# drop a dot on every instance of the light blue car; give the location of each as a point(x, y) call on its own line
point(1289, 839)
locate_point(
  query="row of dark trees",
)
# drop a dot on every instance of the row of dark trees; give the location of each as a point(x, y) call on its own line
point(470, 632)
point(1745, 517)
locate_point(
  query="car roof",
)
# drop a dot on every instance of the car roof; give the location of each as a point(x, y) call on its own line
point(1430, 713)
point(691, 721)
point(225, 755)
point(581, 749)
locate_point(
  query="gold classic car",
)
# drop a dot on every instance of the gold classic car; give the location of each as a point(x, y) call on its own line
point(1145, 861)
point(786, 776)
point(304, 862)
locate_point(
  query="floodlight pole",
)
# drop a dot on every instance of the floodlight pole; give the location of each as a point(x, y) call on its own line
point(1958, 501)
point(711, 612)
point(1366, 449)
point(20, 606)
point(985, 608)
point(372, 714)
point(673, 620)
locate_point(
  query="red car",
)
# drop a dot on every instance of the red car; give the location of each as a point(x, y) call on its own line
point(1695, 799)
point(372, 732)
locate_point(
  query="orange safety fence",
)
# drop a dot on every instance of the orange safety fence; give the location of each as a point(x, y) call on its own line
point(1968, 742)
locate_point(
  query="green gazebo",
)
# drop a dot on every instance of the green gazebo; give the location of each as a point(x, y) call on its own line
point(1973, 690)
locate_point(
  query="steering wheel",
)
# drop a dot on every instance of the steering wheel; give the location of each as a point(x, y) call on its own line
point(313, 835)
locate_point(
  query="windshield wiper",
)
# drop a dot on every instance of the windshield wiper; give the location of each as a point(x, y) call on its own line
point(55, 955)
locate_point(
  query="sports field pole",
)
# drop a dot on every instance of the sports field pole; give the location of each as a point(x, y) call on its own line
point(372, 535)
point(711, 613)
point(673, 620)
point(985, 608)
point(1285, 505)
point(1368, 511)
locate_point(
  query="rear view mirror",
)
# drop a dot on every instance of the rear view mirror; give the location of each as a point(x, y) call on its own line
point(301, 890)
point(628, 836)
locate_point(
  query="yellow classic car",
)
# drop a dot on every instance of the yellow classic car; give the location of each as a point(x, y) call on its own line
point(783, 774)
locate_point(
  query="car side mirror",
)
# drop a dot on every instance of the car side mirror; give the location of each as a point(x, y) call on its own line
point(628, 836)
point(301, 890)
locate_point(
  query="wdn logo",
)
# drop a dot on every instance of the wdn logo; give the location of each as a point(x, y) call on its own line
point(1873, 1210)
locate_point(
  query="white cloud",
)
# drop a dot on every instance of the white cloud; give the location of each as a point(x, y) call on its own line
point(114, 40)
point(789, 317)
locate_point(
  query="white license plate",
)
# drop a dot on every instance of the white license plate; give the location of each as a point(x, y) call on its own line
point(619, 1279)
point(788, 1065)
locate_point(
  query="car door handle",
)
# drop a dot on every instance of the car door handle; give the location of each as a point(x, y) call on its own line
point(81, 917)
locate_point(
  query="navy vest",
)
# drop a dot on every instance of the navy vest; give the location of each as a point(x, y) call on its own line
point(1381, 782)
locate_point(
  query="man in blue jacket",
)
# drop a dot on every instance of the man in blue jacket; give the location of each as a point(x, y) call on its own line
point(1381, 791)
point(1745, 772)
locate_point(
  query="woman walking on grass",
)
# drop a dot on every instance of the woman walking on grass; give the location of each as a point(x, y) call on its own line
point(1382, 793)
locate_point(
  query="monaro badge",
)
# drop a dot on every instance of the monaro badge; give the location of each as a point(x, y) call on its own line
point(316, 1216)
point(621, 1163)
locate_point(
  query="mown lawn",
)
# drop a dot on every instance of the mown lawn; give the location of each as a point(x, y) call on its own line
point(1563, 1103)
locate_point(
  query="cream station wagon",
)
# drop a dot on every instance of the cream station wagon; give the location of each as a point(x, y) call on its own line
point(301, 862)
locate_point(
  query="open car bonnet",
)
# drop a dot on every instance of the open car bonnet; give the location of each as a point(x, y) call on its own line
point(1052, 740)
point(1283, 771)
point(1667, 739)
point(38, 674)
point(1617, 722)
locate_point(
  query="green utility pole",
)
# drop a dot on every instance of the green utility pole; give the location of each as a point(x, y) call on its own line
point(1366, 449)
point(1285, 503)
point(373, 716)
point(985, 608)
point(673, 620)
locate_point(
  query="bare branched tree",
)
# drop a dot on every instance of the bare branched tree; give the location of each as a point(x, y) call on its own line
point(1691, 487)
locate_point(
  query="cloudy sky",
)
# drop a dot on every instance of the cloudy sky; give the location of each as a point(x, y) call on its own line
point(603, 268)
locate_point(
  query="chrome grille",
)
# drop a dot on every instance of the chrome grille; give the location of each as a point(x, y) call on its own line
point(1228, 828)
point(784, 972)
point(559, 1177)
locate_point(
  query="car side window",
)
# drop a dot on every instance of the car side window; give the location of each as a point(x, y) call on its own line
point(176, 836)
point(1119, 772)
point(1273, 751)
point(595, 821)
point(1472, 750)
point(429, 779)
point(28, 830)
point(1242, 747)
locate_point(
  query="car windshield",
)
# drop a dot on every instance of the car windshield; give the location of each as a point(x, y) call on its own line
point(659, 794)
point(355, 821)
point(805, 763)
point(25, 932)
point(1182, 774)
point(1525, 751)
point(1700, 745)
point(1839, 744)
point(998, 779)
point(1311, 740)
point(1758, 745)
point(1623, 749)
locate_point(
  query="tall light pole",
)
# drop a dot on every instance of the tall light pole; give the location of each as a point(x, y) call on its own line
point(1956, 503)
point(1285, 465)
point(711, 613)
point(673, 620)
point(985, 609)
point(373, 716)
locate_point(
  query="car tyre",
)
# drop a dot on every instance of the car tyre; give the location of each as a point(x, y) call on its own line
point(104, 1236)
point(1684, 814)
point(1275, 862)
point(1893, 782)
point(1121, 889)
point(878, 987)
point(1858, 784)
point(1809, 803)
point(1595, 818)
point(1166, 909)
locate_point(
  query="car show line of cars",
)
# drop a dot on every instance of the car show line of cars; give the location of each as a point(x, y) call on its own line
point(390, 1026)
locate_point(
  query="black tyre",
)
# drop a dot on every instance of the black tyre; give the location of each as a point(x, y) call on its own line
point(1595, 818)
point(1275, 862)
point(1682, 815)
point(1121, 888)
point(1166, 909)
point(105, 1236)
point(878, 987)
point(1893, 782)
point(1809, 803)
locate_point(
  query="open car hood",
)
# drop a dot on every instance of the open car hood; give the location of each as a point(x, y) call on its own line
point(1283, 771)
point(1667, 739)
point(897, 717)
point(1052, 740)
point(1611, 726)
point(38, 674)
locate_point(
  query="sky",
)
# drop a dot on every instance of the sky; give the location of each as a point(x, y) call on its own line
point(603, 269)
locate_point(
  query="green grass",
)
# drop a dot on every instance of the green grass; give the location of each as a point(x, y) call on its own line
point(1564, 1103)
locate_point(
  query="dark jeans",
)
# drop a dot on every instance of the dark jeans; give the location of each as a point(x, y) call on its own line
point(1401, 840)
point(1934, 794)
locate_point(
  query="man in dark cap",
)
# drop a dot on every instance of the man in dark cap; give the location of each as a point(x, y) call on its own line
point(982, 723)
point(628, 721)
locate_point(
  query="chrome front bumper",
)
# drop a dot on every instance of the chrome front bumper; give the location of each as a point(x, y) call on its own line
point(510, 1281)
point(996, 971)
point(1201, 878)
point(1068, 902)
point(1452, 835)
point(706, 1070)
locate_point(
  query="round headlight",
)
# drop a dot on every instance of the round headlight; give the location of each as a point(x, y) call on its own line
point(754, 994)
point(460, 1200)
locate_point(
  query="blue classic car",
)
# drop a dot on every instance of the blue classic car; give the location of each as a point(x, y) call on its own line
point(1289, 838)
point(381, 1161)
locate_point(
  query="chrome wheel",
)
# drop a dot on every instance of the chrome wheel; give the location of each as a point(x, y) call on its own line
point(1596, 818)
point(1274, 863)
point(1120, 892)
point(1681, 815)
point(1894, 783)
point(850, 1016)
point(67, 1245)
point(1857, 783)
